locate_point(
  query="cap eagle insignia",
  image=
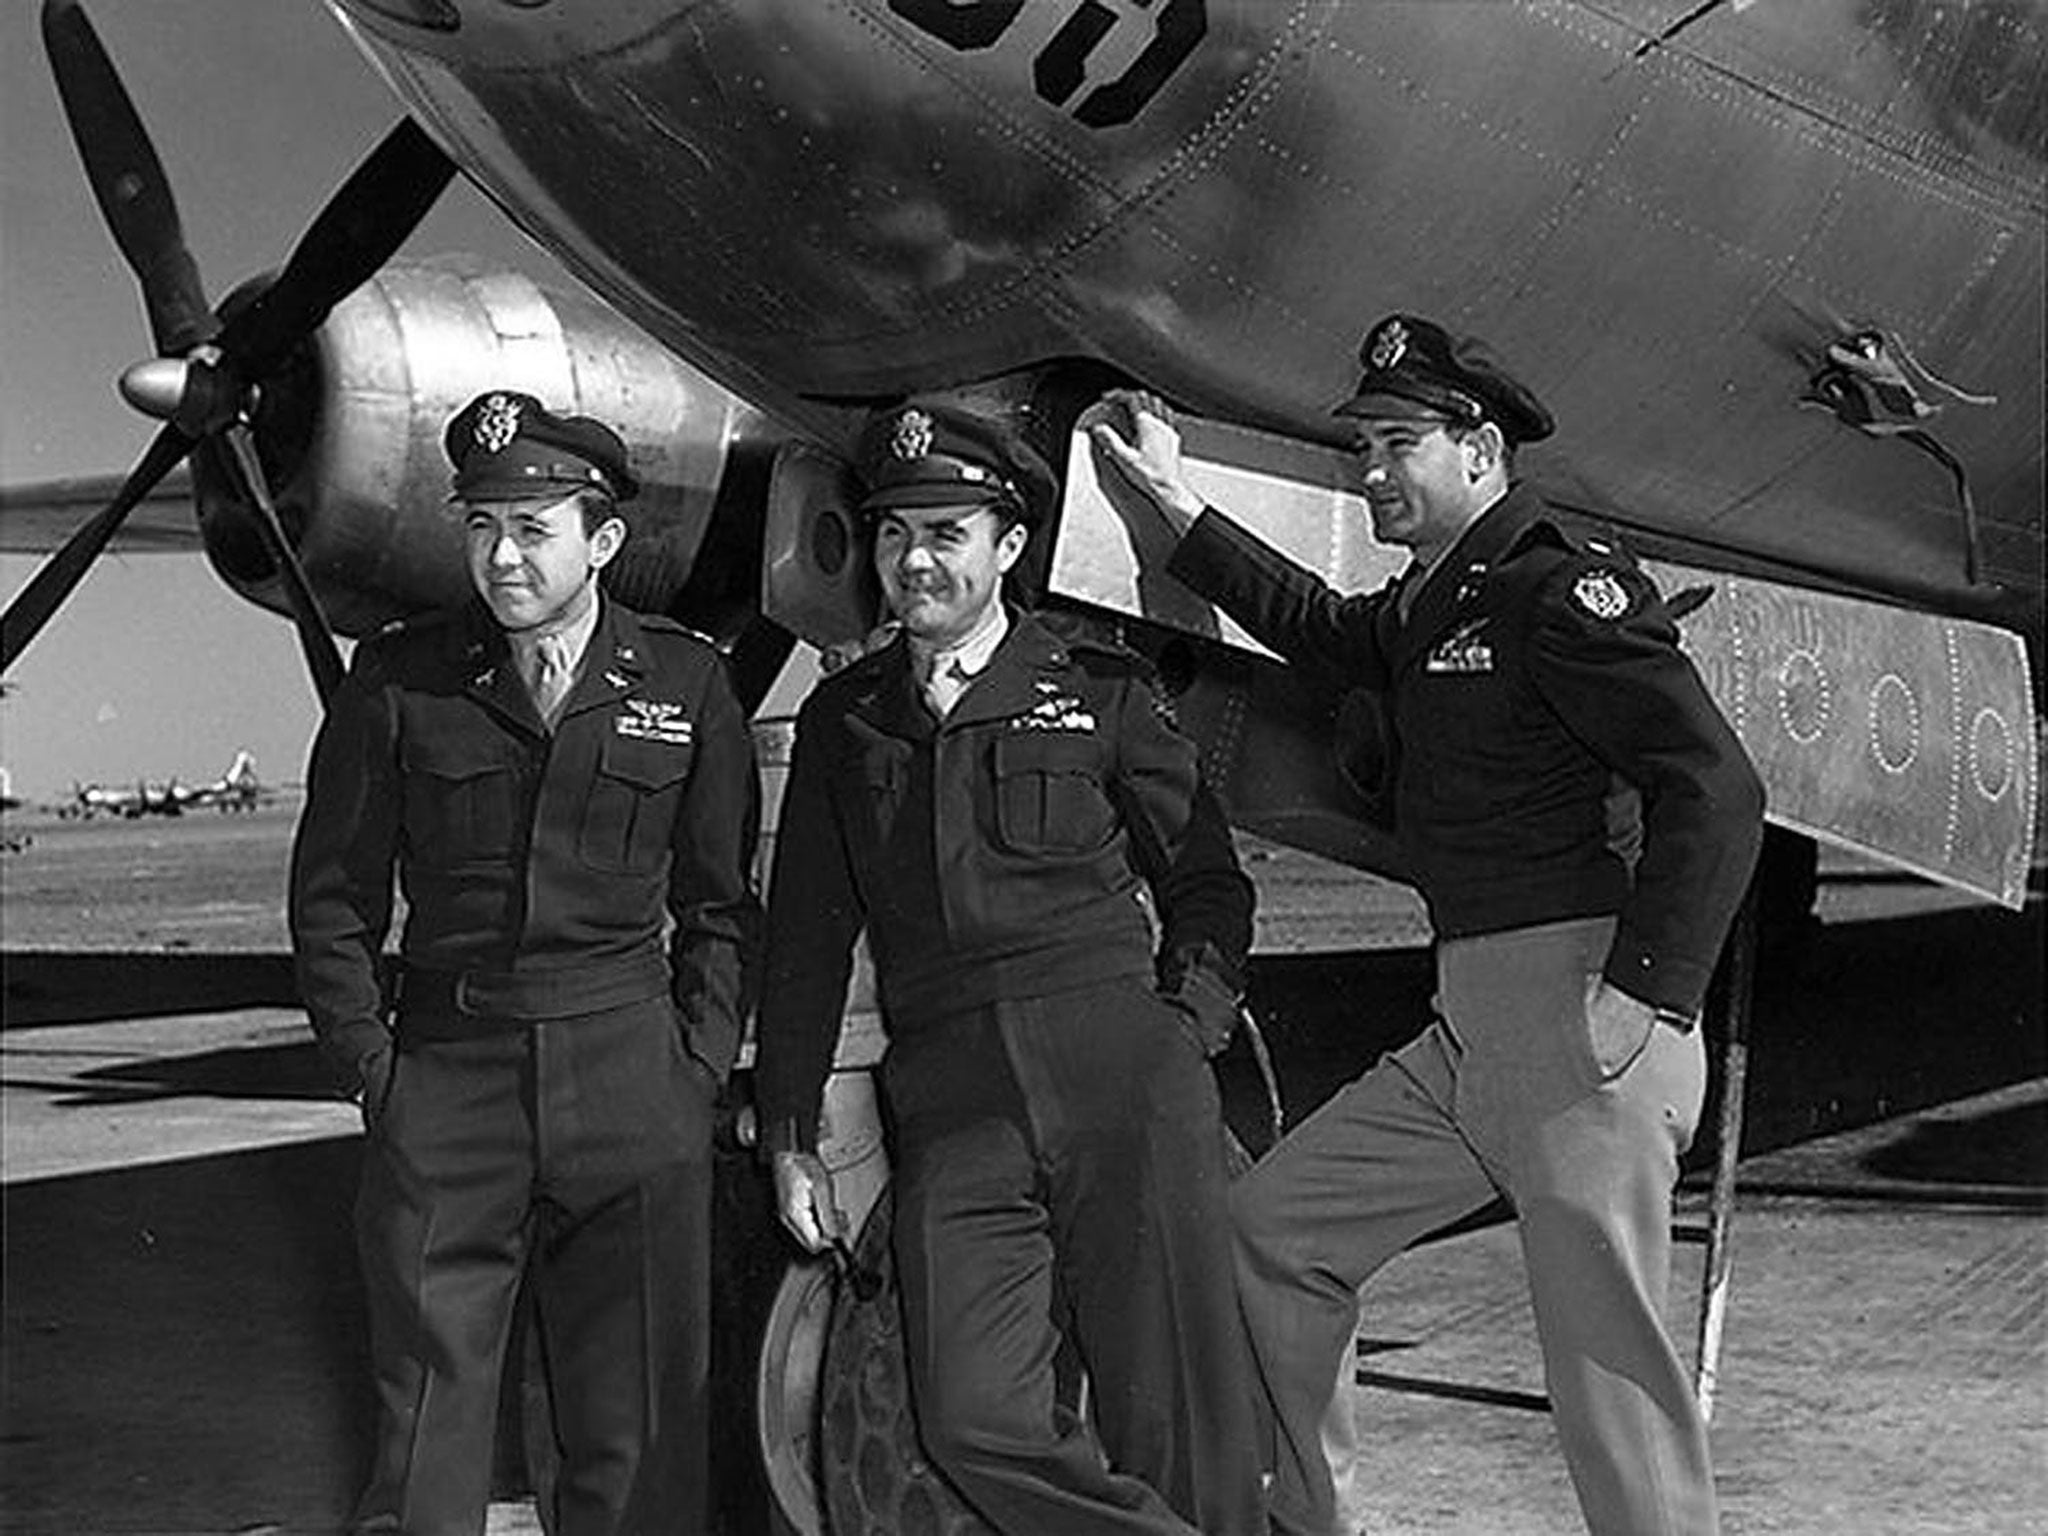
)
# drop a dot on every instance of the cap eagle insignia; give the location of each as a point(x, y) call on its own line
point(912, 437)
point(1390, 346)
point(497, 424)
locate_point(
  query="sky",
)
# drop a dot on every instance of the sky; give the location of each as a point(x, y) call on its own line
point(258, 110)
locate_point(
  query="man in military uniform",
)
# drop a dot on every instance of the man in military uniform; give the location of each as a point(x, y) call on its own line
point(1582, 824)
point(993, 803)
point(565, 791)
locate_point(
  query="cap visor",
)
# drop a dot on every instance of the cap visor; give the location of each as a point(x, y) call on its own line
point(521, 489)
point(932, 493)
point(1392, 407)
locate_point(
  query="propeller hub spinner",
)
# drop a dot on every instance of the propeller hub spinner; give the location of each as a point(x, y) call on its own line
point(156, 387)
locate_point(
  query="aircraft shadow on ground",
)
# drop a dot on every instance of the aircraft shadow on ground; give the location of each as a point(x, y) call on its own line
point(91, 987)
point(2002, 1147)
point(268, 1072)
point(184, 1343)
point(187, 1347)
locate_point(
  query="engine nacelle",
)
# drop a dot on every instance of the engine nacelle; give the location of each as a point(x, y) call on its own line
point(350, 436)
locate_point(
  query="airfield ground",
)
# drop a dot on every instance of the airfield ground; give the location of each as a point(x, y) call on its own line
point(183, 1337)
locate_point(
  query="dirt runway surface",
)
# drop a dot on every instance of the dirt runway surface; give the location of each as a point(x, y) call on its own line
point(155, 885)
point(212, 882)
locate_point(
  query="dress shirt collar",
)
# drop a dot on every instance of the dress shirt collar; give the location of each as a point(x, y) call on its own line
point(575, 634)
point(970, 655)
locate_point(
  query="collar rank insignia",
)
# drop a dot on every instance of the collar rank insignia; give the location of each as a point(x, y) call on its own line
point(1464, 650)
point(912, 436)
point(1390, 346)
point(497, 423)
point(654, 720)
point(1601, 594)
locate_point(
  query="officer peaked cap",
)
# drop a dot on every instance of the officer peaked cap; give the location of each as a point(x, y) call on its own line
point(1414, 368)
point(932, 452)
point(507, 446)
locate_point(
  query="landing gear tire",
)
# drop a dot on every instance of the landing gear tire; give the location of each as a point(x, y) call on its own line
point(838, 1435)
point(786, 1396)
point(833, 1404)
point(872, 1465)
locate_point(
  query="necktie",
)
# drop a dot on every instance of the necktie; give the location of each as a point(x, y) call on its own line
point(550, 675)
point(944, 684)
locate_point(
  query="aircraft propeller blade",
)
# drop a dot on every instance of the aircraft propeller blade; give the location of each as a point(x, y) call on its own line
point(128, 180)
point(369, 217)
point(208, 393)
point(316, 638)
point(53, 581)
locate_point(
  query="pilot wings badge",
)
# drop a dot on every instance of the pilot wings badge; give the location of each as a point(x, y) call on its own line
point(1463, 650)
point(1055, 710)
point(654, 720)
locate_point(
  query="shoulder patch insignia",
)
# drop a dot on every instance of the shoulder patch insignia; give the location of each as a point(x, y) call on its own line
point(1601, 594)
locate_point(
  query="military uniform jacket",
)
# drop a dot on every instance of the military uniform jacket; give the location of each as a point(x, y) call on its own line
point(1534, 668)
point(1003, 853)
point(539, 871)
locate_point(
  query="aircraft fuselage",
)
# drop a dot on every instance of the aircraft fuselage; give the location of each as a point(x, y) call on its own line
point(1663, 225)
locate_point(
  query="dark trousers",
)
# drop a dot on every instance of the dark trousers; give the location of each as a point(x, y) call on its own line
point(576, 1151)
point(1060, 1172)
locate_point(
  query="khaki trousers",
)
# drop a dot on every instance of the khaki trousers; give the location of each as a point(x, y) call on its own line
point(1505, 1094)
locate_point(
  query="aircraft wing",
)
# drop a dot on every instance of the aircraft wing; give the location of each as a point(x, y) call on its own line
point(36, 519)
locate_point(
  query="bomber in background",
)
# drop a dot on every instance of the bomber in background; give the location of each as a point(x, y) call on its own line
point(237, 789)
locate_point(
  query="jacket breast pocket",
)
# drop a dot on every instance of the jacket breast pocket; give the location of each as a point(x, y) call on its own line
point(634, 795)
point(461, 799)
point(872, 783)
point(1049, 793)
